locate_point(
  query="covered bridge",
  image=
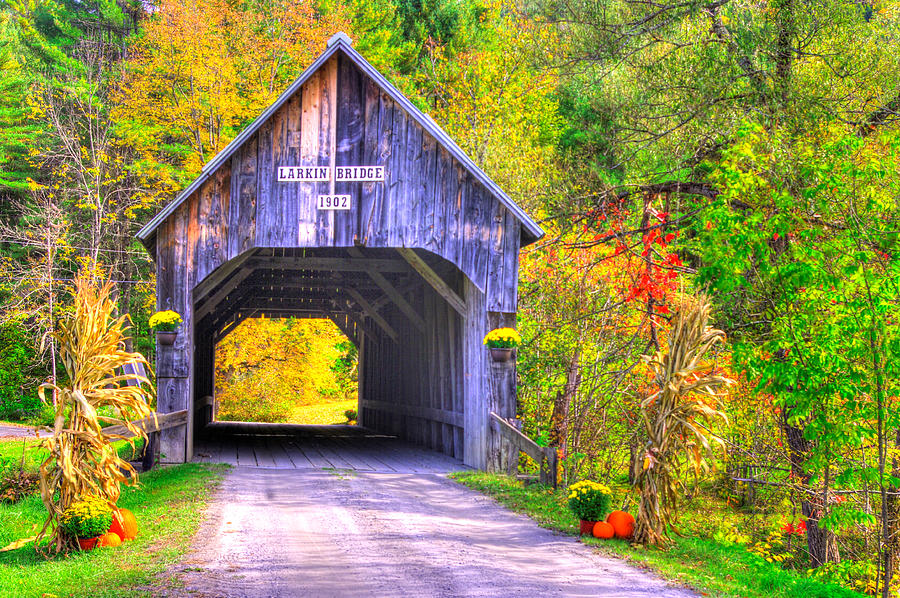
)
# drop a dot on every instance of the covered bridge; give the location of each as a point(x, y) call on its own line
point(344, 201)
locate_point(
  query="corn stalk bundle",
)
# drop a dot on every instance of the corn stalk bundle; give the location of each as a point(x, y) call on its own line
point(82, 461)
point(688, 392)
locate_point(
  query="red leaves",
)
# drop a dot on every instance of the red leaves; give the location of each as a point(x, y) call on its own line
point(790, 528)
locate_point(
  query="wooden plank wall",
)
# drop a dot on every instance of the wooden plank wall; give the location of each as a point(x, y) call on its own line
point(175, 276)
point(428, 200)
point(415, 388)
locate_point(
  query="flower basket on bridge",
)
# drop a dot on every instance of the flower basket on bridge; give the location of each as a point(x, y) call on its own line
point(502, 343)
point(165, 324)
point(166, 337)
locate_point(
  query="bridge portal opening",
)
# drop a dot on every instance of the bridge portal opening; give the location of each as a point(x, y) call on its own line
point(280, 332)
point(286, 370)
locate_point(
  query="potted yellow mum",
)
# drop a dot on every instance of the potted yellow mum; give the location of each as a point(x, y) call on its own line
point(502, 342)
point(165, 324)
point(86, 520)
point(589, 501)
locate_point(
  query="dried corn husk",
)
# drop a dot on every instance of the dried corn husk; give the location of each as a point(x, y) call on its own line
point(82, 460)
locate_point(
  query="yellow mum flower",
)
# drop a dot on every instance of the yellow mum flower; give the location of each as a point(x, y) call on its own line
point(502, 338)
point(165, 320)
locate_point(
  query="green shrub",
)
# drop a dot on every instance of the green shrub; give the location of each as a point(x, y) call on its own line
point(18, 394)
point(16, 482)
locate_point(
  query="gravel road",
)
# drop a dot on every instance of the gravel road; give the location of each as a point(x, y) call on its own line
point(315, 533)
point(8, 431)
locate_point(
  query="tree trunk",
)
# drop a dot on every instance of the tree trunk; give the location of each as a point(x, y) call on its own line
point(821, 543)
point(890, 525)
point(559, 420)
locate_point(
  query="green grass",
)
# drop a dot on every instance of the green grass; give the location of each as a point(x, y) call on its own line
point(11, 450)
point(167, 506)
point(323, 413)
point(710, 566)
point(34, 455)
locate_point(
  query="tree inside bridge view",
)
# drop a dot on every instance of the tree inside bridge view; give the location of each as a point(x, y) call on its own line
point(286, 370)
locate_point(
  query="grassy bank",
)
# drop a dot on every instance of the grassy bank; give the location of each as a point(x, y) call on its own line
point(168, 505)
point(710, 566)
point(323, 413)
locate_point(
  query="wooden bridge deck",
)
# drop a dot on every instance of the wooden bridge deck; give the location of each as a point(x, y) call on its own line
point(291, 446)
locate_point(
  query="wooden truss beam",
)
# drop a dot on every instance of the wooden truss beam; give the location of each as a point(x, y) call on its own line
point(434, 279)
point(392, 292)
point(236, 320)
point(209, 305)
point(221, 273)
point(342, 321)
point(370, 311)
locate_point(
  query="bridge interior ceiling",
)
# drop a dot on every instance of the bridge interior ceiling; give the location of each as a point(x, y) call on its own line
point(351, 287)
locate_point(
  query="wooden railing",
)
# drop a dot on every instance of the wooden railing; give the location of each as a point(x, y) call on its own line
point(152, 424)
point(544, 456)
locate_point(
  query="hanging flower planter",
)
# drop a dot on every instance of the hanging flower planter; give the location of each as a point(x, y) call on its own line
point(501, 354)
point(165, 324)
point(502, 343)
point(166, 337)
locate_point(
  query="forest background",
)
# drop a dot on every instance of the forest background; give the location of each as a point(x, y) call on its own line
point(743, 149)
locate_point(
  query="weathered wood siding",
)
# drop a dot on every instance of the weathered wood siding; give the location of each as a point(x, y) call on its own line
point(428, 201)
point(415, 388)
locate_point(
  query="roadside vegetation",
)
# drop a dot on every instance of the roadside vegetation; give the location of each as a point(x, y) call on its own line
point(169, 502)
point(701, 555)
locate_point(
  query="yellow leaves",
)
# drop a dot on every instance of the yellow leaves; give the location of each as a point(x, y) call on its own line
point(204, 68)
point(498, 104)
point(267, 368)
point(18, 544)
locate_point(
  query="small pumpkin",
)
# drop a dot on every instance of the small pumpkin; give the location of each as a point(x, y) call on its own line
point(604, 530)
point(622, 522)
point(110, 539)
point(124, 524)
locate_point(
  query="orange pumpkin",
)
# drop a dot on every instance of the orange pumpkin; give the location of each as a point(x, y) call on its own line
point(118, 524)
point(604, 530)
point(110, 539)
point(124, 524)
point(622, 522)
